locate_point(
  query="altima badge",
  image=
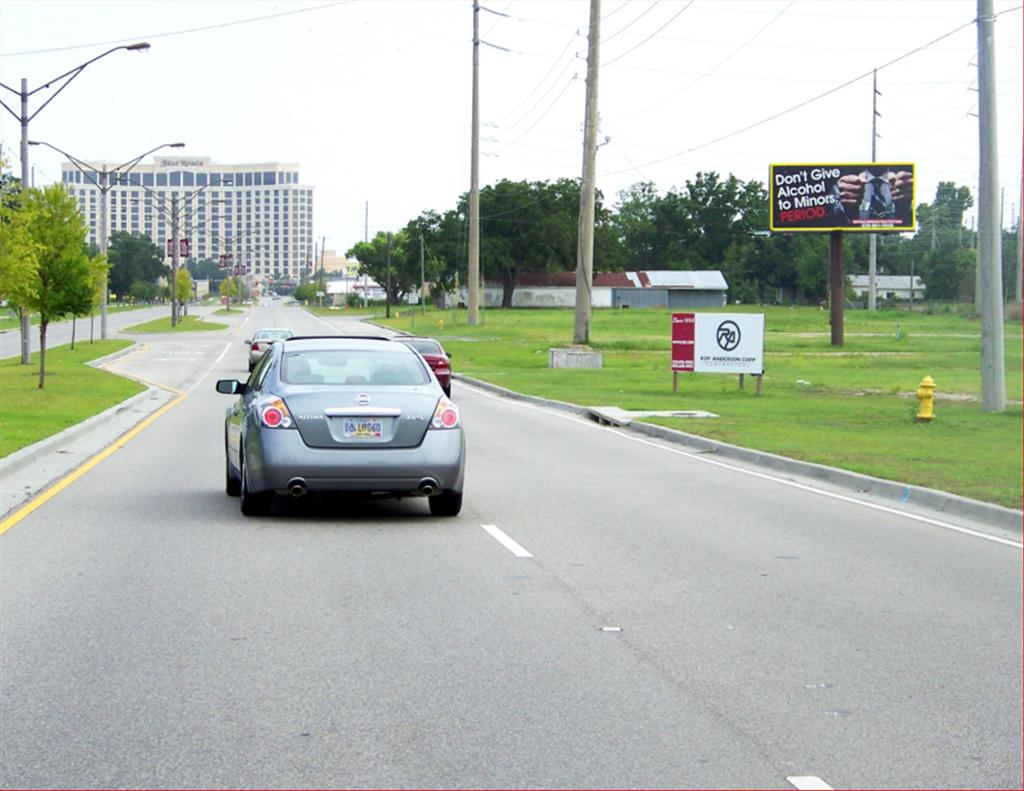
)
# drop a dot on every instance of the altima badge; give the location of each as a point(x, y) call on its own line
point(363, 399)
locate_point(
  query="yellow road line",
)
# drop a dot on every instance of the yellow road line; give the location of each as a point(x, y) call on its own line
point(82, 469)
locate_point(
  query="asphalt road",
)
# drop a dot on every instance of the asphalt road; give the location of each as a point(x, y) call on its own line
point(607, 611)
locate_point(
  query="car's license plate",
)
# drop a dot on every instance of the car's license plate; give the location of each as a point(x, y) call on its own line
point(363, 429)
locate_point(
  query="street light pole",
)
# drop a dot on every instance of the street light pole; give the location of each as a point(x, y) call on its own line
point(105, 185)
point(24, 118)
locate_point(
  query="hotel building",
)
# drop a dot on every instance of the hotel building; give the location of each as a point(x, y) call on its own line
point(256, 217)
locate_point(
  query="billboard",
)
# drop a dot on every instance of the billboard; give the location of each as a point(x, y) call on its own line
point(721, 343)
point(876, 197)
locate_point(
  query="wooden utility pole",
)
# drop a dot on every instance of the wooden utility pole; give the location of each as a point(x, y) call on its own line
point(993, 374)
point(585, 241)
point(474, 181)
point(423, 283)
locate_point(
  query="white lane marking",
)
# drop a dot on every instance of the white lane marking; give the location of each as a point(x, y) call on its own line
point(809, 783)
point(696, 456)
point(513, 547)
point(325, 323)
point(213, 365)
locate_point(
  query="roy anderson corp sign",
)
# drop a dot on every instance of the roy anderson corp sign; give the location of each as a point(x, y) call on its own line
point(854, 196)
point(721, 343)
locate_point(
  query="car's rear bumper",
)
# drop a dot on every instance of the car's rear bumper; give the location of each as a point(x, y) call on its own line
point(275, 459)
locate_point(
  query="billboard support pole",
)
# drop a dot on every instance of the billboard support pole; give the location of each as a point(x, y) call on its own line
point(836, 286)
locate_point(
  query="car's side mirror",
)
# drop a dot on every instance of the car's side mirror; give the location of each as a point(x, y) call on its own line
point(247, 342)
point(449, 355)
point(231, 387)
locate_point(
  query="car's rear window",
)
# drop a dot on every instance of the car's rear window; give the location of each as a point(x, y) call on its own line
point(355, 368)
point(273, 335)
point(425, 346)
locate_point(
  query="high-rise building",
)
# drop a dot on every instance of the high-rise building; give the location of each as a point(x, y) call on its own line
point(256, 219)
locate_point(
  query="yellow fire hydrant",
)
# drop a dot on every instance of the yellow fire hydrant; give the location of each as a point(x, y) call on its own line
point(440, 324)
point(926, 395)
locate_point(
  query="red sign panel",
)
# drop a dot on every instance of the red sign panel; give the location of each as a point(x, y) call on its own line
point(184, 246)
point(684, 327)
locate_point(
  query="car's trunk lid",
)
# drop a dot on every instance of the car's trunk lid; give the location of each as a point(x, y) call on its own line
point(390, 417)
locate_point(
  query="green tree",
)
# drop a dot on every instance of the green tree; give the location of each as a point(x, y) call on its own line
point(229, 289)
point(527, 227)
point(88, 299)
point(306, 292)
point(206, 269)
point(17, 253)
point(183, 289)
point(64, 278)
point(405, 263)
point(133, 257)
point(140, 291)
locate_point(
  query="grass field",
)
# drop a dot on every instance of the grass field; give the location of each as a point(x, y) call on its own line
point(850, 407)
point(74, 392)
point(185, 324)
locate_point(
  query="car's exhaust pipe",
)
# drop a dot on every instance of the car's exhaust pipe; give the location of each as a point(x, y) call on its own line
point(296, 487)
point(428, 486)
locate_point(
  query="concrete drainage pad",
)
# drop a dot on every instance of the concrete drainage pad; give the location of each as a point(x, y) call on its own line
point(614, 416)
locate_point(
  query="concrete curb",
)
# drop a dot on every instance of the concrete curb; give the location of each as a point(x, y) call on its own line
point(20, 459)
point(893, 491)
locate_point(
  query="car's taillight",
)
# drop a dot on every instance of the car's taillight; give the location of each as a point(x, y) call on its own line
point(255, 346)
point(274, 414)
point(446, 415)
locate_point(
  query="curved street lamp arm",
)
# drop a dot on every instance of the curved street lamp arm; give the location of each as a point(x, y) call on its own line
point(131, 163)
point(8, 109)
point(74, 73)
point(84, 167)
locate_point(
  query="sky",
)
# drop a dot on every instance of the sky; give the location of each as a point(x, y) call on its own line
point(372, 98)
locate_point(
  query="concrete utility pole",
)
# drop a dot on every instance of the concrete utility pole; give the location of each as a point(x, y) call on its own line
point(993, 375)
point(873, 238)
point(474, 181)
point(366, 238)
point(423, 282)
point(387, 291)
point(1020, 238)
point(585, 241)
point(175, 250)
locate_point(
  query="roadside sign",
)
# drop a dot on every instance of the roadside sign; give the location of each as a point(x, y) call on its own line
point(722, 343)
point(875, 197)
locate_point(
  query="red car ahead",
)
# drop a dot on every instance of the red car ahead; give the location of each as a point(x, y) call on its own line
point(437, 358)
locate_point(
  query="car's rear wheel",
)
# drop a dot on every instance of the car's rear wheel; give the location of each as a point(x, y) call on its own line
point(445, 504)
point(253, 503)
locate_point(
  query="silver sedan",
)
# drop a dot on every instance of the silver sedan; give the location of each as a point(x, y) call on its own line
point(342, 414)
point(263, 340)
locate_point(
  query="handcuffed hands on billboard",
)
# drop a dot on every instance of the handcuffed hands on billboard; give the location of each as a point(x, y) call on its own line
point(851, 197)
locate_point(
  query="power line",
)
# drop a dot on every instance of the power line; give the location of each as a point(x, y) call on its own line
point(651, 7)
point(656, 32)
point(543, 79)
point(722, 62)
point(806, 102)
point(178, 32)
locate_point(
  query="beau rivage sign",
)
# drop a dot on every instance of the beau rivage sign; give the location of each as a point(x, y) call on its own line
point(165, 162)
